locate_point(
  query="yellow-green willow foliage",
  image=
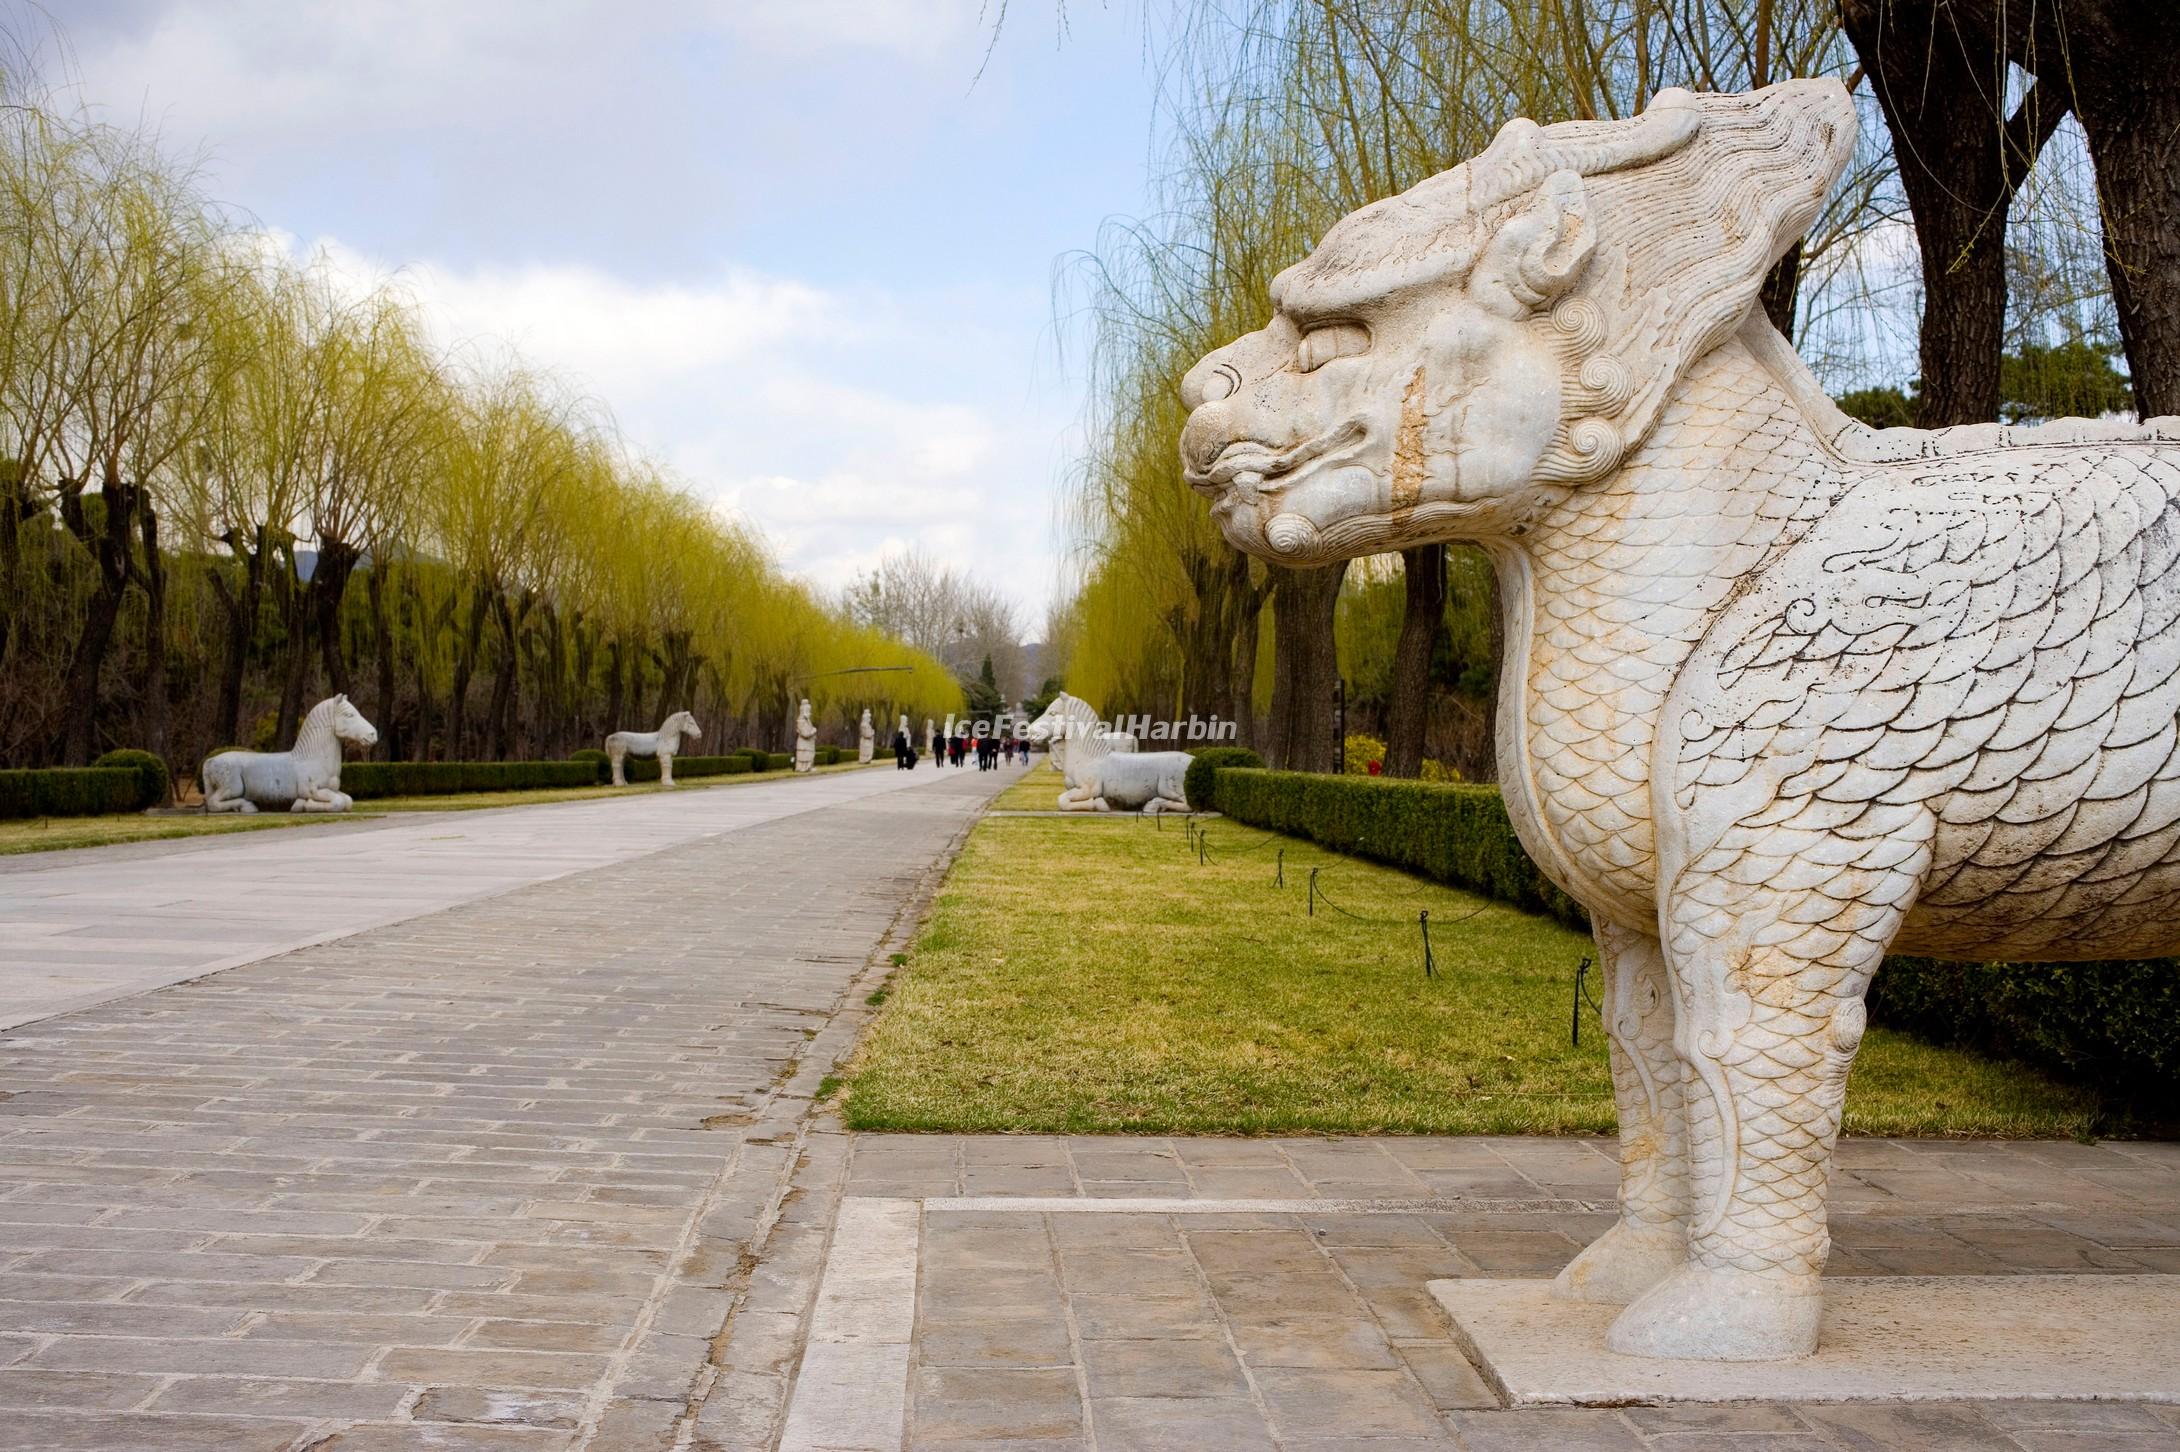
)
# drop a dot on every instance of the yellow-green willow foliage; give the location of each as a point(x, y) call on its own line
point(231, 481)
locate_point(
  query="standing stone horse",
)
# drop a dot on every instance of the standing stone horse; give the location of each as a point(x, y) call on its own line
point(305, 778)
point(663, 743)
point(1069, 730)
point(1781, 693)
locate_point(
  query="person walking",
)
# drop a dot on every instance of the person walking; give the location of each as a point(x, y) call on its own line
point(904, 758)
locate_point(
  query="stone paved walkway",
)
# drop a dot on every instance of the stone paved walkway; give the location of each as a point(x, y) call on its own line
point(1211, 1294)
point(85, 926)
point(488, 1178)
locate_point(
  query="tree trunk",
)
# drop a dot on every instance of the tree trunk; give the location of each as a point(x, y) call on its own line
point(2131, 115)
point(1303, 733)
point(503, 678)
point(328, 588)
point(1241, 662)
point(614, 685)
point(111, 549)
point(382, 663)
point(241, 606)
point(465, 661)
point(1781, 285)
point(152, 575)
point(1931, 64)
point(1422, 623)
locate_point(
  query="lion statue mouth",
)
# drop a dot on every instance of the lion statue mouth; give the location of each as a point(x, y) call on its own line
point(1246, 470)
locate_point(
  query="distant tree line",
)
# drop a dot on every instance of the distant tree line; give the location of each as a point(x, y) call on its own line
point(231, 482)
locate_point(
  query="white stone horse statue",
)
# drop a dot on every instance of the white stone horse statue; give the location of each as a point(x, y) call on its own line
point(664, 743)
point(1128, 781)
point(305, 778)
point(1069, 729)
point(805, 741)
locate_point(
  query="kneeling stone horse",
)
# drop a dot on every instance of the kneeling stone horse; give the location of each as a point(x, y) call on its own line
point(664, 743)
point(304, 778)
point(1069, 731)
point(1781, 692)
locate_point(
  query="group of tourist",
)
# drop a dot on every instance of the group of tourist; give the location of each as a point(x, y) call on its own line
point(955, 749)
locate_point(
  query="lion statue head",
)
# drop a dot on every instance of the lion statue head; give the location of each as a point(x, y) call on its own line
point(1447, 356)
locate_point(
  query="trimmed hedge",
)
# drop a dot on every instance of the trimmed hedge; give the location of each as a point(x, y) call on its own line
point(2109, 1025)
point(1455, 834)
point(64, 791)
point(596, 758)
point(646, 768)
point(2114, 1026)
point(778, 761)
point(1199, 784)
point(366, 779)
point(150, 769)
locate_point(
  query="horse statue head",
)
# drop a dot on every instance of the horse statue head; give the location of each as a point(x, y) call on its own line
point(681, 723)
point(337, 716)
point(1066, 716)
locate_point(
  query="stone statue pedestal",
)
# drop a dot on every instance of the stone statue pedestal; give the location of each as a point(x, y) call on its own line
point(1884, 1338)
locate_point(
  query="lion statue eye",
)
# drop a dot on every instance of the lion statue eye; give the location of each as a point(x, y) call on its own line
point(1321, 344)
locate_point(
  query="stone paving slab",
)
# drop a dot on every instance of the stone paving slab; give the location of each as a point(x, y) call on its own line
point(1103, 1293)
point(85, 926)
point(490, 1177)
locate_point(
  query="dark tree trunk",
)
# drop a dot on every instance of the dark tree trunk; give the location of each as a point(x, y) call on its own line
point(615, 684)
point(503, 678)
point(465, 661)
point(152, 575)
point(240, 602)
point(1303, 733)
point(111, 547)
point(1781, 285)
point(1241, 661)
point(382, 663)
point(328, 587)
point(1934, 66)
point(2129, 105)
point(1422, 623)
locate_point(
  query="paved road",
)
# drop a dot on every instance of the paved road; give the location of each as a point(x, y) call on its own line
point(82, 927)
point(489, 1178)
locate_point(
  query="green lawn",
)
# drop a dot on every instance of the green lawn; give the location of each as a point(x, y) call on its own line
point(52, 834)
point(1091, 977)
point(1033, 793)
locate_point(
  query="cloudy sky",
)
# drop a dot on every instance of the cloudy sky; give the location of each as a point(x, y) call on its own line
point(803, 252)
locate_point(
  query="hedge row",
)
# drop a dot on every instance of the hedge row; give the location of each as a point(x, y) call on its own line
point(366, 779)
point(1455, 834)
point(83, 791)
point(2114, 1026)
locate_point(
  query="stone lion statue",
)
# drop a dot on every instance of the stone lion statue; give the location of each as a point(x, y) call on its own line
point(1781, 692)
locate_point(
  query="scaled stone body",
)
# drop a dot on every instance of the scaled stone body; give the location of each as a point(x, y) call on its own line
point(305, 778)
point(1781, 692)
point(664, 743)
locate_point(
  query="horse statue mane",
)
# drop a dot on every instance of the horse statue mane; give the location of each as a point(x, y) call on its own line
point(1069, 730)
point(1780, 693)
point(664, 743)
point(304, 778)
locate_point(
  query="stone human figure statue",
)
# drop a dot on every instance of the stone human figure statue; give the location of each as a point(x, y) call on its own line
point(1781, 692)
point(805, 741)
point(866, 744)
point(931, 740)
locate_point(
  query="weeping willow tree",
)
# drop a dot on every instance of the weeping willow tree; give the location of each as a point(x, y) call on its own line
point(1277, 118)
point(206, 446)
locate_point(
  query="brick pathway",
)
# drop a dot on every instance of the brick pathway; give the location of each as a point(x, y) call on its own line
point(1206, 1294)
point(94, 924)
point(488, 1178)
